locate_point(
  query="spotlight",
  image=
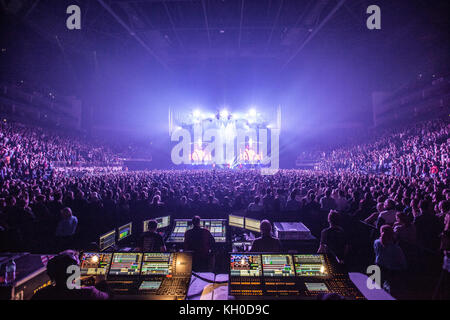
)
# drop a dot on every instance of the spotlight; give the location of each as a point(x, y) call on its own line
point(252, 112)
point(224, 113)
point(95, 259)
point(196, 113)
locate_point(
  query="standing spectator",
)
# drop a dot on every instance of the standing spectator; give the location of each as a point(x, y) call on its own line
point(327, 203)
point(389, 256)
point(428, 226)
point(333, 239)
point(404, 229)
point(66, 228)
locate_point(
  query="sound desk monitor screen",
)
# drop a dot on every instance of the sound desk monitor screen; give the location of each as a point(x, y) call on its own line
point(94, 263)
point(252, 225)
point(124, 231)
point(277, 265)
point(145, 225)
point(125, 264)
point(310, 265)
point(162, 222)
point(150, 285)
point(235, 221)
point(157, 264)
point(245, 265)
point(217, 227)
point(107, 240)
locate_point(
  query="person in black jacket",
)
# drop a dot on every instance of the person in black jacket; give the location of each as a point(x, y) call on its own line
point(201, 242)
point(333, 240)
point(151, 241)
point(266, 243)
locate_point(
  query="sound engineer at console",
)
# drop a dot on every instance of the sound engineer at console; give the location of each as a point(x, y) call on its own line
point(266, 243)
point(57, 271)
point(201, 242)
point(152, 241)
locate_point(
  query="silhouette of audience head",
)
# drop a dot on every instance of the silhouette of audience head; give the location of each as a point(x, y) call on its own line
point(387, 235)
point(66, 212)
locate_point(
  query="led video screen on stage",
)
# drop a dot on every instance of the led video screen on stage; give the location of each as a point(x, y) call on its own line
point(238, 139)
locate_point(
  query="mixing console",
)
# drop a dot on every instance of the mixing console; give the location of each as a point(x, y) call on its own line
point(149, 275)
point(287, 276)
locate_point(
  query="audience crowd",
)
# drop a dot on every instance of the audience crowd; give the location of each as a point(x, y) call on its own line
point(397, 186)
point(28, 152)
point(418, 150)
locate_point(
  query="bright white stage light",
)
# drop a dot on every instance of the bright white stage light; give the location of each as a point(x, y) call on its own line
point(224, 113)
point(252, 112)
point(196, 113)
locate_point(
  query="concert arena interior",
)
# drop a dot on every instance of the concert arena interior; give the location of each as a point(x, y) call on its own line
point(229, 150)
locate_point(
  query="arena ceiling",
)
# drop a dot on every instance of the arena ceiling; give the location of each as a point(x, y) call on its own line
point(182, 31)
